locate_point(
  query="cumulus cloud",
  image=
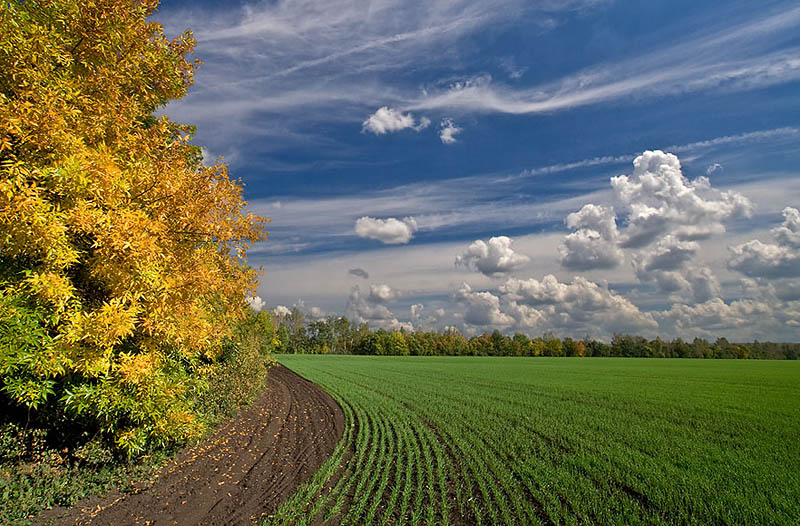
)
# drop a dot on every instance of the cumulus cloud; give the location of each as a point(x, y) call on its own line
point(669, 254)
point(786, 289)
point(666, 266)
point(771, 260)
point(713, 317)
point(448, 130)
point(593, 244)
point(580, 304)
point(281, 311)
point(390, 231)
point(788, 234)
point(315, 313)
point(359, 272)
point(757, 259)
point(256, 303)
point(703, 284)
point(381, 293)
point(389, 120)
point(699, 284)
point(493, 258)
point(481, 308)
point(426, 323)
point(361, 309)
point(713, 168)
point(659, 200)
point(658, 204)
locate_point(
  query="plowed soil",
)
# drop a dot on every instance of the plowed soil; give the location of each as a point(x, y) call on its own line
point(244, 472)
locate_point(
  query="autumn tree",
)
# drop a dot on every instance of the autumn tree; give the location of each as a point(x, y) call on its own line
point(123, 257)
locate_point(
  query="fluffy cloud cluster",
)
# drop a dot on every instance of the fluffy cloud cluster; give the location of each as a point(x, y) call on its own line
point(389, 120)
point(381, 293)
point(664, 215)
point(771, 260)
point(788, 234)
point(593, 244)
point(748, 318)
point(667, 265)
point(493, 258)
point(660, 204)
point(659, 200)
point(481, 308)
point(370, 309)
point(281, 311)
point(256, 303)
point(581, 303)
point(580, 306)
point(390, 231)
point(448, 130)
point(426, 323)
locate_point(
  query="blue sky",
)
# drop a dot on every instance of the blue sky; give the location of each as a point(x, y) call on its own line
point(458, 157)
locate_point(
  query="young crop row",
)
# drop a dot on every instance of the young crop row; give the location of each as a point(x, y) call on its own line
point(539, 441)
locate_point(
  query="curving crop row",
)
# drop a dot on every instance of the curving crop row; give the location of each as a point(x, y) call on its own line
point(554, 441)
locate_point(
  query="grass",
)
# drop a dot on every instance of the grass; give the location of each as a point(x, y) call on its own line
point(34, 477)
point(555, 441)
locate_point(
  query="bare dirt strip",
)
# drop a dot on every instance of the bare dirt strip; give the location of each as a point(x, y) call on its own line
point(245, 471)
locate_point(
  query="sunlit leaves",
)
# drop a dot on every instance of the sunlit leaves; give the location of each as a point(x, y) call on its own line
point(118, 247)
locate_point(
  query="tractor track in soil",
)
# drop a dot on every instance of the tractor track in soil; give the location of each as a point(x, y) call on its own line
point(245, 471)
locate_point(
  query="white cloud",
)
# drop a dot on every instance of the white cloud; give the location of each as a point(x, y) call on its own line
point(381, 293)
point(256, 303)
point(581, 304)
point(730, 56)
point(281, 311)
point(757, 259)
point(788, 234)
point(660, 200)
point(377, 315)
point(713, 168)
point(661, 206)
point(467, 202)
point(389, 120)
point(593, 244)
point(669, 254)
point(481, 308)
point(715, 317)
point(448, 130)
point(493, 258)
point(315, 313)
point(426, 323)
point(703, 284)
point(390, 231)
point(665, 265)
point(768, 260)
point(786, 289)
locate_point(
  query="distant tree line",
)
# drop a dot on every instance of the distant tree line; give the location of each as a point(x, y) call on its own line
point(336, 335)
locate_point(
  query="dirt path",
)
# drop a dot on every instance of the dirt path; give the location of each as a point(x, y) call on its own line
point(245, 471)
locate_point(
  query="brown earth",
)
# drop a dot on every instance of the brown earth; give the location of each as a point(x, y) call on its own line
point(251, 465)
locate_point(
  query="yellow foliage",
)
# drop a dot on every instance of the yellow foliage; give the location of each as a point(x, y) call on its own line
point(52, 288)
point(108, 221)
point(136, 368)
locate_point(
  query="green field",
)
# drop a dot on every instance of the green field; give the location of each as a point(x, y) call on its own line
point(556, 440)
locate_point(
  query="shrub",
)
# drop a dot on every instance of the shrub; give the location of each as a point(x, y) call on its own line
point(123, 272)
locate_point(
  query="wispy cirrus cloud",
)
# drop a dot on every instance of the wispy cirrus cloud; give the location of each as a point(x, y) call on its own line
point(725, 57)
point(480, 201)
point(287, 63)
